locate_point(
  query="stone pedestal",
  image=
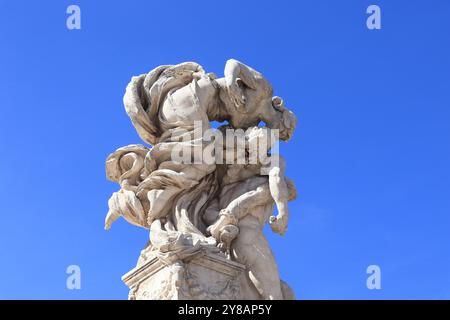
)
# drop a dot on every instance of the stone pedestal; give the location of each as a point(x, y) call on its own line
point(206, 276)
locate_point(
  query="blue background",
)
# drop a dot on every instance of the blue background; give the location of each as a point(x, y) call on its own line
point(370, 156)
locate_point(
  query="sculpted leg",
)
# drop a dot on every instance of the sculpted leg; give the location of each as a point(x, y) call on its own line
point(252, 249)
point(239, 208)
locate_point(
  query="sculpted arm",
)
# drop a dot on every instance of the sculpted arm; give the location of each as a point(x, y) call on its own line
point(280, 194)
point(274, 167)
point(238, 74)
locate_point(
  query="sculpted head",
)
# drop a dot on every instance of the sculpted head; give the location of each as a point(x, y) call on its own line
point(260, 105)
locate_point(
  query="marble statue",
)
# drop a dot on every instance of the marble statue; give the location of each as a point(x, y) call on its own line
point(205, 217)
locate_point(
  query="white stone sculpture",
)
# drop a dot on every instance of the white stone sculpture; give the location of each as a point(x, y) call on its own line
point(205, 217)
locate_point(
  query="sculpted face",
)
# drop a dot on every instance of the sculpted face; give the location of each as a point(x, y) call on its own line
point(285, 122)
point(260, 105)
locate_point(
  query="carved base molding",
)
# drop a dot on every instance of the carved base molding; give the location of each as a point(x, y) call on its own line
point(206, 276)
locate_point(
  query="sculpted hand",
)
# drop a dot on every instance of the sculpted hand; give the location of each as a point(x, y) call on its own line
point(278, 224)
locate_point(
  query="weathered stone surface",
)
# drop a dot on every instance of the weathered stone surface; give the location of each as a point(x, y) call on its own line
point(204, 201)
point(204, 276)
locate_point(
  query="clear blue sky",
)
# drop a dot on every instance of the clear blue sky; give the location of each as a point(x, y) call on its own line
point(370, 157)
